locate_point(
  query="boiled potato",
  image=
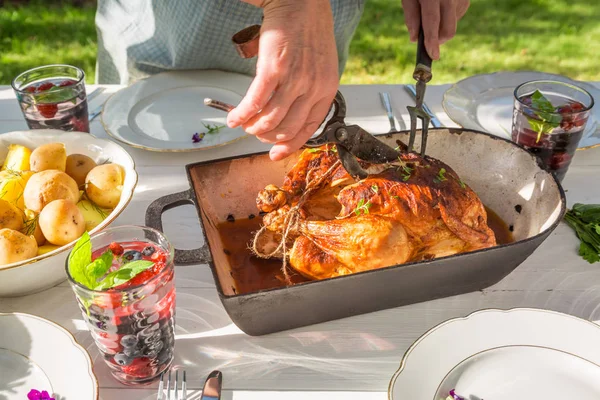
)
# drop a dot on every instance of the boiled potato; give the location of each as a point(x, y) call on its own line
point(10, 216)
point(61, 222)
point(32, 227)
point(104, 183)
point(17, 158)
point(49, 156)
point(46, 186)
point(47, 248)
point(78, 166)
point(14, 246)
point(12, 186)
point(92, 214)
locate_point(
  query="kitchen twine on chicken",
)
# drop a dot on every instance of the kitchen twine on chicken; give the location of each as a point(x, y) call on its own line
point(291, 220)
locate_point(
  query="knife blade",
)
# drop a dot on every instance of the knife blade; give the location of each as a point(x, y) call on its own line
point(434, 120)
point(212, 386)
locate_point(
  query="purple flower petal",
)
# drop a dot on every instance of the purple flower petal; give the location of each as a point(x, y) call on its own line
point(455, 396)
point(46, 396)
point(197, 137)
point(34, 395)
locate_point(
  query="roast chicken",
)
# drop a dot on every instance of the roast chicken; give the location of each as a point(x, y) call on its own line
point(322, 223)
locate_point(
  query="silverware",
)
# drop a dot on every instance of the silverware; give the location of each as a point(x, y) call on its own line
point(94, 93)
point(387, 103)
point(176, 393)
point(219, 105)
point(212, 386)
point(434, 120)
point(422, 75)
point(98, 110)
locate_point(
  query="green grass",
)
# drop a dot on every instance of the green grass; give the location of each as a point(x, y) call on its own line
point(37, 34)
point(557, 36)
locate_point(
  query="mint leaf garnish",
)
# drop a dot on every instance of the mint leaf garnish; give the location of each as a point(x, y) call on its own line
point(57, 94)
point(541, 103)
point(544, 110)
point(99, 267)
point(124, 274)
point(80, 257)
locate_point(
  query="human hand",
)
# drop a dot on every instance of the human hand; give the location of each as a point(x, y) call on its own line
point(296, 75)
point(439, 17)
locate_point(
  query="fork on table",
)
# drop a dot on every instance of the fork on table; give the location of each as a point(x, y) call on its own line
point(387, 103)
point(176, 390)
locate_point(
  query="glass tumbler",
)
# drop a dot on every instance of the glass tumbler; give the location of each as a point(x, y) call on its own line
point(549, 119)
point(53, 97)
point(133, 325)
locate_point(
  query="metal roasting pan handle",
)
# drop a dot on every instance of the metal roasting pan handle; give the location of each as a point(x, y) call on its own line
point(154, 220)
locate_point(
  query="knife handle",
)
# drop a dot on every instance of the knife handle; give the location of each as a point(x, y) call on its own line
point(423, 68)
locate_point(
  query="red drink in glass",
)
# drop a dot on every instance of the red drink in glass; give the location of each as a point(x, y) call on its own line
point(549, 120)
point(133, 323)
point(53, 97)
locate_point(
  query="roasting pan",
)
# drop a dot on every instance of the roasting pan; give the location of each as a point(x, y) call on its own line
point(507, 178)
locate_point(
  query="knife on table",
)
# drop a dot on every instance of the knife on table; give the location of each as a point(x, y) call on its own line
point(212, 386)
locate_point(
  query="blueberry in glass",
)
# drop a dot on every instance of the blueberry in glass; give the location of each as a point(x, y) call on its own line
point(123, 281)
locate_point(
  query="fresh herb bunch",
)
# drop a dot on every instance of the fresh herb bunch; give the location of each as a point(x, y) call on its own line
point(585, 220)
point(95, 274)
point(547, 119)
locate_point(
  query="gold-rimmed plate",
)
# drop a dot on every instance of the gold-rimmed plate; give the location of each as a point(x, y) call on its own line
point(485, 103)
point(473, 354)
point(36, 353)
point(163, 112)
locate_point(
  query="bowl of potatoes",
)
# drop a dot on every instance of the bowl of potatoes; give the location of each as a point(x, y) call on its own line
point(54, 186)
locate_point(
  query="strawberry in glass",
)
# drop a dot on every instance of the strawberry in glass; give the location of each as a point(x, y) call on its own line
point(549, 119)
point(123, 282)
point(53, 97)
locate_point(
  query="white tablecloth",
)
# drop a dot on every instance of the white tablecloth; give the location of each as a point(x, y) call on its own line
point(352, 358)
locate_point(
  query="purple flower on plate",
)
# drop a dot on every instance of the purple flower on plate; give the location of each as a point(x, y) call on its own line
point(197, 137)
point(37, 395)
point(454, 396)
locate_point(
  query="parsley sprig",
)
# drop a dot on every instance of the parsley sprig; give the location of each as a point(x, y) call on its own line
point(585, 220)
point(95, 274)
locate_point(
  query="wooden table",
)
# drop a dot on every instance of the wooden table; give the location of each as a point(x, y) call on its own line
point(352, 358)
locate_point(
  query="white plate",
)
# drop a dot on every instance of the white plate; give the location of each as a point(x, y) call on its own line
point(38, 354)
point(162, 112)
point(485, 103)
point(41, 272)
point(519, 354)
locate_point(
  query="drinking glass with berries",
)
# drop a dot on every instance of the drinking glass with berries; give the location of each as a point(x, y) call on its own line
point(123, 281)
point(549, 118)
point(53, 97)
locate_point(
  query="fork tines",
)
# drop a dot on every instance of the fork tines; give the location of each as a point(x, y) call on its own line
point(175, 391)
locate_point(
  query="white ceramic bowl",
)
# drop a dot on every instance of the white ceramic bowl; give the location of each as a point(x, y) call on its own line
point(47, 270)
